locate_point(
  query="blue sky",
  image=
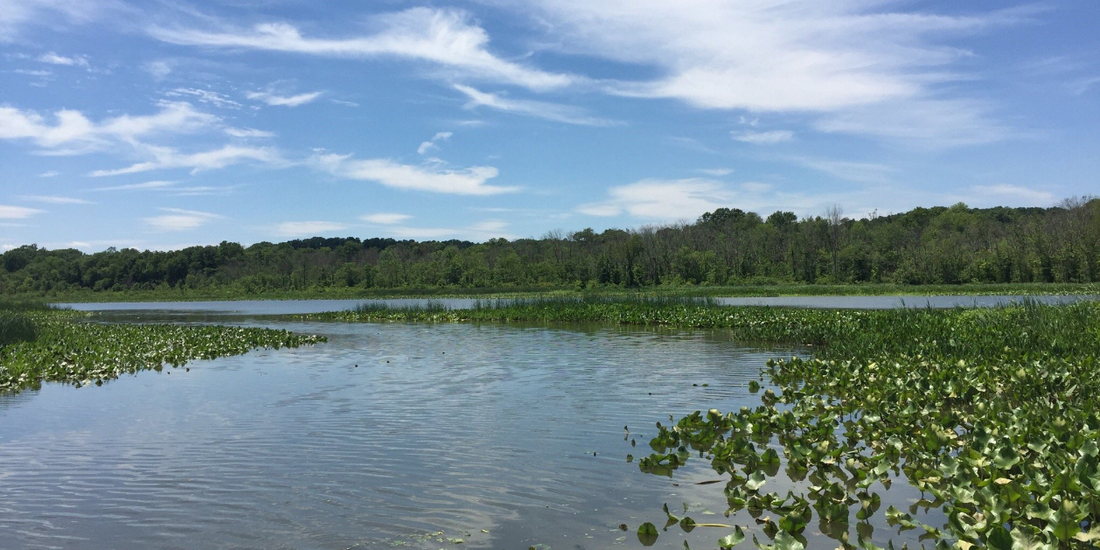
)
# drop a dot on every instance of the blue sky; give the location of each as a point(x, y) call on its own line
point(164, 124)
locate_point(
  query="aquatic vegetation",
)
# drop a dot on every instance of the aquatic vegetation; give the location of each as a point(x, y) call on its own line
point(16, 327)
point(66, 349)
point(990, 413)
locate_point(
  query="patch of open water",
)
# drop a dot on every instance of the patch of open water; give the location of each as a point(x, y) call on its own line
point(503, 436)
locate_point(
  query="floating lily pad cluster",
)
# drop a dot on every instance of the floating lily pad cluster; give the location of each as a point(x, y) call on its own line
point(991, 414)
point(65, 349)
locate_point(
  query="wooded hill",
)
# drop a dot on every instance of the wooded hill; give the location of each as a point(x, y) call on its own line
point(938, 245)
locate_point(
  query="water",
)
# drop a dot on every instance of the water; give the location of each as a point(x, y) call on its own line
point(273, 307)
point(503, 436)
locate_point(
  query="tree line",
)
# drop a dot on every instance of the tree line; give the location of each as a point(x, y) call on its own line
point(941, 245)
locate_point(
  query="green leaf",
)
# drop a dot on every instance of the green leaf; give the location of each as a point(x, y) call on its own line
point(787, 541)
point(647, 534)
point(998, 538)
point(687, 524)
point(756, 481)
point(732, 539)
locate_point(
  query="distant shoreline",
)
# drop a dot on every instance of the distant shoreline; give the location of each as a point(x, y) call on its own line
point(1020, 289)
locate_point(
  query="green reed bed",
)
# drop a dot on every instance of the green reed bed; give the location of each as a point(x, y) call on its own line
point(60, 346)
point(991, 413)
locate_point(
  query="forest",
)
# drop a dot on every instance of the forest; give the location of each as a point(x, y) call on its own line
point(940, 245)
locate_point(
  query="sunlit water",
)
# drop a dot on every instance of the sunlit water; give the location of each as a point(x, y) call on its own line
point(503, 436)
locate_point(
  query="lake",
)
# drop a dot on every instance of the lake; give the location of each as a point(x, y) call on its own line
point(389, 435)
point(503, 436)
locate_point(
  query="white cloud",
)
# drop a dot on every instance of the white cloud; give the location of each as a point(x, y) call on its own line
point(55, 199)
point(682, 199)
point(798, 56)
point(431, 144)
point(49, 174)
point(180, 220)
point(72, 132)
point(307, 229)
point(763, 138)
point(864, 172)
point(17, 212)
point(930, 123)
point(144, 186)
point(715, 172)
point(166, 157)
point(283, 101)
point(158, 69)
point(468, 181)
point(37, 73)
point(385, 218)
point(15, 14)
point(249, 133)
point(442, 37)
point(539, 109)
point(205, 96)
point(55, 59)
point(1032, 197)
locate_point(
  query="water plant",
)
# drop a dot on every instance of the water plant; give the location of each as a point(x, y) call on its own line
point(991, 414)
point(66, 348)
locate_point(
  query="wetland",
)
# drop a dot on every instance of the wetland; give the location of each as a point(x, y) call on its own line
point(580, 423)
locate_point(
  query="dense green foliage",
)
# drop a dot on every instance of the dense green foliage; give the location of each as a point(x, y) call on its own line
point(991, 413)
point(61, 347)
point(725, 247)
point(16, 326)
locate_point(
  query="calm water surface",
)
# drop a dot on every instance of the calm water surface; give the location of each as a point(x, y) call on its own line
point(503, 436)
point(275, 307)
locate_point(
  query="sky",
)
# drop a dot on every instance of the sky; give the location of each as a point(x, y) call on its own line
point(162, 124)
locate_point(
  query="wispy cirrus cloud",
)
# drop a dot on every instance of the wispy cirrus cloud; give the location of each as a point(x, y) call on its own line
point(17, 14)
point(308, 228)
point(171, 188)
point(771, 137)
point(276, 100)
point(466, 181)
point(847, 61)
point(862, 172)
point(8, 212)
point(167, 158)
point(71, 132)
point(55, 59)
point(205, 96)
point(55, 199)
point(443, 37)
point(538, 109)
point(385, 218)
point(177, 219)
point(249, 133)
point(432, 143)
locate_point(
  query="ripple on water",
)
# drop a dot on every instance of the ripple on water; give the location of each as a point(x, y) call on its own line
point(385, 432)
